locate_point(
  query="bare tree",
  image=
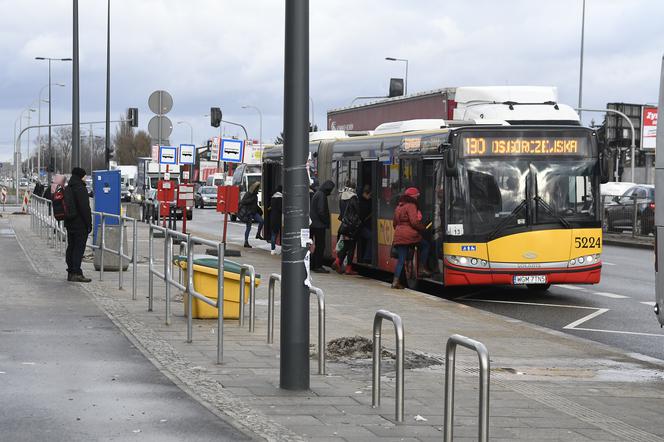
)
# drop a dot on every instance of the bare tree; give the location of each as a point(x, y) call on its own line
point(63, 143)
point(130, 144)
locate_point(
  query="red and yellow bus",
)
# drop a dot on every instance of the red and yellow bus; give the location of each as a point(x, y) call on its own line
point(517, 205)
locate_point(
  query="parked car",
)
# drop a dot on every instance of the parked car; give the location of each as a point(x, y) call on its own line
point(206, 196)
point(619, 214)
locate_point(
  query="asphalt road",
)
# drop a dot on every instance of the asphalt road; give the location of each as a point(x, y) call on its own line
point(618, 311)
point(68, 374)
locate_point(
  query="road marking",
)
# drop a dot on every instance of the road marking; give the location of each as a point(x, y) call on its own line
point(621, 332)
point(532, 303)
point(578, 322)
point(610, 295)
point(608, 263)
point(650, 303)
point(571, 287)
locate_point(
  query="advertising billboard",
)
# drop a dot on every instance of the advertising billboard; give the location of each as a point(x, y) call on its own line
point(648, 127)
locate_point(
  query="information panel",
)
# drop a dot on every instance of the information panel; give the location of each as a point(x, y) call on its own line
point(483, 146)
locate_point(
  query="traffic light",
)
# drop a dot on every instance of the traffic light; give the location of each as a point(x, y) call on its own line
point(215, 116)
point(132, 116)
point(396, 87)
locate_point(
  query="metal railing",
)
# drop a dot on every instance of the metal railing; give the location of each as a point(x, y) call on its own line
point(628, 214)
point(120, 253)
point(375, 381)
point(320, 296)
point(270, 306)
point(167, 275)
point(483, 355)
point(244, 269)
point(192, 293)
point(43, 223)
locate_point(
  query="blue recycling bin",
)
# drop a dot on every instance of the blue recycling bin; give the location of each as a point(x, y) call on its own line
point(106, 185)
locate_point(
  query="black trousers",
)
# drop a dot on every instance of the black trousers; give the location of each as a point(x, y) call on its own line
point(76, 240)
point(319, 244)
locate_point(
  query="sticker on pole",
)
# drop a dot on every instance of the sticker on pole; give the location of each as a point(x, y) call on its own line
point(168, 155)
point(231, 150)
point(187, 153)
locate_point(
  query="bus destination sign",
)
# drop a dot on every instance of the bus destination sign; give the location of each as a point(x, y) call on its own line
point(508, 146)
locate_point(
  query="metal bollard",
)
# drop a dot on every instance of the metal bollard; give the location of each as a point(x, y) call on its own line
point(483, 355)
point(221, 253)
point(244, 268)
point(375, 383)
point(102, 242)
point(150, 267)
point(134, 258)
point(270, 306)
point(168, 269)
point(321, 327)
point(121, 253)
point(190, 285)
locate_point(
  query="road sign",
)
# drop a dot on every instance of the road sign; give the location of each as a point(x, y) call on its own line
point(168, 155)
point(155, 153)
point(231, 150)
point(187, 154)
point(185, 195)
point(3, 195)
point(166, 127)
point(160, 102)
point(214, 149)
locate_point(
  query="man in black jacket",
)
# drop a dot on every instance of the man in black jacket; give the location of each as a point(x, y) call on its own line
point(320, 221)
point(78, 224)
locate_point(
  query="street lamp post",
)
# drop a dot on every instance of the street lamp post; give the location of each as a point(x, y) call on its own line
point(50, 147)
point(405, 87)
point(260, 122)
point(626, 118)
point(75, 98)
point(191, 130)
point(17, 149)
point(41, 91)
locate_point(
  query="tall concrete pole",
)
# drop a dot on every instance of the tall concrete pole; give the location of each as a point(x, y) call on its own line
point(659, 208)
point(75, 110)
point(583, 29)
point(294, 361)
point(108, 86)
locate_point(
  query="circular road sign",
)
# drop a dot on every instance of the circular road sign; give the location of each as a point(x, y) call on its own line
point(166, 128)
point(162, 97)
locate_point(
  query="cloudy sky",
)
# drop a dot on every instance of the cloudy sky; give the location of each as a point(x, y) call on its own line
point(229, 53)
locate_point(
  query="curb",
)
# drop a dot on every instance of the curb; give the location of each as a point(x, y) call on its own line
point(630, 244)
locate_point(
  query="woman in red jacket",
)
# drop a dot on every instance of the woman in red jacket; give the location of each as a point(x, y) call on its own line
point(408, 230)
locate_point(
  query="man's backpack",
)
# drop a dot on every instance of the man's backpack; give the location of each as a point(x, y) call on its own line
point(64, 204)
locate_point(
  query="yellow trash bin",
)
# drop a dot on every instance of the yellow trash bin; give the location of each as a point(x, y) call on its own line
point(205, 283)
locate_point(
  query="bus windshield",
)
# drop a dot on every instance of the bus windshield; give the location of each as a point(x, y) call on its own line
point(494, 196)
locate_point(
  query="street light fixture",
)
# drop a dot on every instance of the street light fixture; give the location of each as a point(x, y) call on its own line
point(191, 130)
point(260, 119)
point(50, 147)
point(406, 79)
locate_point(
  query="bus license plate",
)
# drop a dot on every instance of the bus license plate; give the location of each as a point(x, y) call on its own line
point(530, 279)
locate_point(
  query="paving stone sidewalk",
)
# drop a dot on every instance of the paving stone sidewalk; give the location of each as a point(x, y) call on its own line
point(544, 385)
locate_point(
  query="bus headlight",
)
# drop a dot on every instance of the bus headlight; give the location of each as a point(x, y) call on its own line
point(465, 261)
point(585, 260)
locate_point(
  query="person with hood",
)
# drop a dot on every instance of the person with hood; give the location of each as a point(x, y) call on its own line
point(249, 212)
point(408, 230)
point(57, 180)
point(320, 222)
point(276, 212)
point(348, 229)
point(78, 224)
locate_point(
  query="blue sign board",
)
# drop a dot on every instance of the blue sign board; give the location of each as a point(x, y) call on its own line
point(187, 154)
point(107, 192)
point(168, 155)
point(468, 248)
point(232, 150)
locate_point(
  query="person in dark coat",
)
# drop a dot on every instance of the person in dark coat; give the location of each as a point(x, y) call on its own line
point(408, 229)
point(79, 226)
point(348, 229)
point(276, 212)
point(320, 222)
point(249, 212)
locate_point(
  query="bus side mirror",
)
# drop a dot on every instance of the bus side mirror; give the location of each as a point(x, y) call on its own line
point(604, 167)
point(451, 163)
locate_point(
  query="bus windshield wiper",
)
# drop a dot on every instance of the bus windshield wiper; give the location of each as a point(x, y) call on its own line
point(508, 218)
point(548, 209)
